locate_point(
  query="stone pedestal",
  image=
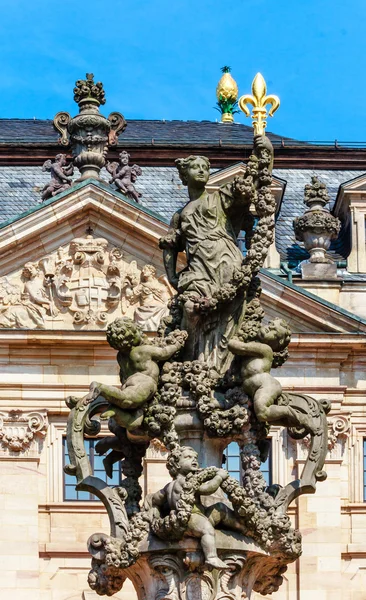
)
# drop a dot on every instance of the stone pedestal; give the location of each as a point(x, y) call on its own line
point(176, 570)
point(312, 270)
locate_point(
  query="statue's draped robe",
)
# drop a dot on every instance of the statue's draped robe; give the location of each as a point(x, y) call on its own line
point(210, 244)
point(208, 229)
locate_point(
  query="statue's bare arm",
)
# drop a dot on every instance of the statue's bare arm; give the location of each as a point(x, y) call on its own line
point(171, 246)
point(211, 486)
point(59, 173)
point(256, 349)
point(165, 352)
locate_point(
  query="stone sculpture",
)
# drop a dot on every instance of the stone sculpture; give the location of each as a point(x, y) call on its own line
point(86, 284)
point(151, 294)
point(212, 287)
point(60, 176)
point(202, 383)
point(89, 133)
point(317, 228)
point(138, 360)
point(182, 464)
point(124, 176)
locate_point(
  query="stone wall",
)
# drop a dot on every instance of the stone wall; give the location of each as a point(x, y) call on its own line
point(43, 553)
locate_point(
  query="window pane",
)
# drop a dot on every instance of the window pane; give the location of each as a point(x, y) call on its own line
point(96, 463)
point(232, 462)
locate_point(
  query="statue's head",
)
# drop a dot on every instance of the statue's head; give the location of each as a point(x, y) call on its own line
point(183, 460)
point(147, 272)
point(276, 334)
point(124, 157)
point(194, 171)
point(29, 270)
point(61, 159)
point(123, 334)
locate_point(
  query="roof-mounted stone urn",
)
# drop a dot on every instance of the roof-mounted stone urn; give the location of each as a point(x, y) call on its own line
point(89, 133)
point(317, 228)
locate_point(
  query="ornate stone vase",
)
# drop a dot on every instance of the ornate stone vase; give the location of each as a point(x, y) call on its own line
point(89, 132)
point(317, 227)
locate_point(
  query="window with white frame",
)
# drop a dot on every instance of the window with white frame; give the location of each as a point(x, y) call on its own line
point(96, 463)
point(232, 463)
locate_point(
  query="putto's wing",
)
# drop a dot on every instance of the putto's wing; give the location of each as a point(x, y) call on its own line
point(47, 165)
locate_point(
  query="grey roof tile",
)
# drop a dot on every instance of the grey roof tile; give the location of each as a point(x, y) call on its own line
point(164, 193)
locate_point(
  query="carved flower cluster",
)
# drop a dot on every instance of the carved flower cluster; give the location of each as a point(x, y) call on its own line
point(226, 293)
point(254, 314)
point(105, 575)
point(319, 220)
point(256, 507)
point(219, 420)
point(160, 412)
point(316, 193)
point(259, 241)
point(86, 88)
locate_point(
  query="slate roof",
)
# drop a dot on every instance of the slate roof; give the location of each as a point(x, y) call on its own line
point(41, 131)
point(163, 192)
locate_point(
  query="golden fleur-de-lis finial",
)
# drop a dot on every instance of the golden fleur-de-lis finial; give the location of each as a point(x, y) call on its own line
point(259, 100)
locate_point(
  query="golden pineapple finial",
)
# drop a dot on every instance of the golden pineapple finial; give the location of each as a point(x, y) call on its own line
point(227, 96)
point(259, 100)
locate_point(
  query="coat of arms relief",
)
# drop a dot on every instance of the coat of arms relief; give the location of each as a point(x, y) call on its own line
point(84, 285)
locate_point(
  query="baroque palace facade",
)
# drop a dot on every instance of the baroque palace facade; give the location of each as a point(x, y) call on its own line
point(89, 253)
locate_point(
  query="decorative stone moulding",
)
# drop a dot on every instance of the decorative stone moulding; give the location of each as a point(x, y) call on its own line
point(317, 228)
point(84, 285)
point(89, 133)
point(19, 429)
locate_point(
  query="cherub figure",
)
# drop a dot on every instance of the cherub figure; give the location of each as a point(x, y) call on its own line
point(60, 176)
point(203, 520)
point(139, 371)
point(258, 383)
point(124, 176)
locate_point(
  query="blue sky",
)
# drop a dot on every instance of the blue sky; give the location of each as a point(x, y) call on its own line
point(161, 59)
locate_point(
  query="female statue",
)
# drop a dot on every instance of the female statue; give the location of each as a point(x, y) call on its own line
point(206, 228)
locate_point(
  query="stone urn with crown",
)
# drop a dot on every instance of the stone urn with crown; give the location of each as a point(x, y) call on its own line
point(89, 133)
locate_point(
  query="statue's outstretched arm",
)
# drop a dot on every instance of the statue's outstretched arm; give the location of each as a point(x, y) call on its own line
point(240, 348)
point(166, 352)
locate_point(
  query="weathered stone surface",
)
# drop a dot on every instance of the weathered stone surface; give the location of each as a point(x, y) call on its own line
point(85, 284)
point(323, 271)
point(185, 387)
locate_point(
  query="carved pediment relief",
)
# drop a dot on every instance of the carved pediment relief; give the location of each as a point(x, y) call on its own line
point(85, 284)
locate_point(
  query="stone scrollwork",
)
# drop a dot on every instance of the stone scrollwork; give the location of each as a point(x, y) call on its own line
point(86, 284)
point(205, 381)
point(19, 429)
point(339, 428)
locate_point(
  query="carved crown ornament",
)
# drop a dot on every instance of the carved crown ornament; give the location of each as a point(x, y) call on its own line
point(19, 429)
point(83, 285)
